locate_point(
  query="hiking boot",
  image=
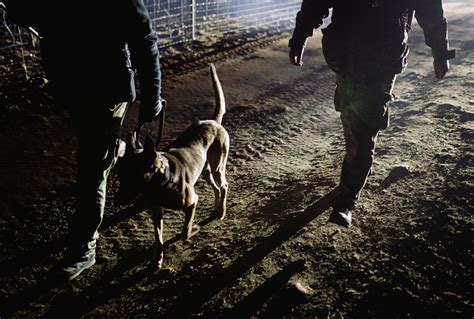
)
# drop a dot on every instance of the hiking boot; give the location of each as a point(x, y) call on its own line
point(341, 217)
point(74, 264)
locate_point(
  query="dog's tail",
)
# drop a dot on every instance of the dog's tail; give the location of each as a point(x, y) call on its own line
point(219, 95)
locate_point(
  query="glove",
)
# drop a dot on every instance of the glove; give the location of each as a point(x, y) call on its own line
point(296, 52)
point(441, 62)
point(440, 68)
point(296, 56)
point(150, 111)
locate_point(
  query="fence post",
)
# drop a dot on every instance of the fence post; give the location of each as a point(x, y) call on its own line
point(181, 16)
point(194, 18)
point(22, 52)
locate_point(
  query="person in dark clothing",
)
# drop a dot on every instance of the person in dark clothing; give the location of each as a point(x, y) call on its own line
point(90, 51)
point(366, 45)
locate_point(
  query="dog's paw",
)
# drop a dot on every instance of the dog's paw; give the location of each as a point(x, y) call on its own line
point(219, 215)
point(194, 230)
point(155, 265)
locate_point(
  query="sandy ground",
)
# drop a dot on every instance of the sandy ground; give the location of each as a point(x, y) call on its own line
point(409, 253)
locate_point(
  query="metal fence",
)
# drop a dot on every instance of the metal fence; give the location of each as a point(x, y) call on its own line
point(176, 21)
point(184, 20)
point(16, 48)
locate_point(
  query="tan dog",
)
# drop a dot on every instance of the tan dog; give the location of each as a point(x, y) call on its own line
point(166, 179)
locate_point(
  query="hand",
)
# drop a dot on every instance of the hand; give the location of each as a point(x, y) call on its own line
point(440, 68)
point(296, 56)
point(150, 111)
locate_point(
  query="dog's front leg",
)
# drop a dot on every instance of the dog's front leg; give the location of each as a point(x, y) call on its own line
point(189, 229)
point(157, 215)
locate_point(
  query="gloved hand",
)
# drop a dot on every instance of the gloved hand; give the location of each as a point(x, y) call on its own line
point(440, 68)
point(296, 45)
point(296, 55)
point(150, 111)
point(441, 61)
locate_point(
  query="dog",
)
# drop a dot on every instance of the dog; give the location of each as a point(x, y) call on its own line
point(166, 179)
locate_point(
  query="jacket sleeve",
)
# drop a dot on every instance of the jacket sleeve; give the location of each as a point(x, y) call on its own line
point(143, 45)
point(429, 14)
point(309, 17)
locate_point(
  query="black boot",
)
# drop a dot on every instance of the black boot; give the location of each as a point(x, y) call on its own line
point(77, 260)
point(341, 217)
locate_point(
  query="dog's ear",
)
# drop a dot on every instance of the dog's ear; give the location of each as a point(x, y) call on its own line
point(149, 149)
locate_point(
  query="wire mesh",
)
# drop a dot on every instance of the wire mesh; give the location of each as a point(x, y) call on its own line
point(16, 47)
point(184, 20)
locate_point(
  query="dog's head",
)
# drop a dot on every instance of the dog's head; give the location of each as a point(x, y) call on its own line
point(136, 168)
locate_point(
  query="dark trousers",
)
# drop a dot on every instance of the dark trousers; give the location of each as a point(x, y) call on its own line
point(364, 112)
point(98, 137)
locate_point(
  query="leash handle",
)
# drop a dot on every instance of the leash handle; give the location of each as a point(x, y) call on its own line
point(161, 127)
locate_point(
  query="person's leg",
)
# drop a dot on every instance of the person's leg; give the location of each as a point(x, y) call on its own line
point(364, 111)
point(360, 147)
point(98, 141)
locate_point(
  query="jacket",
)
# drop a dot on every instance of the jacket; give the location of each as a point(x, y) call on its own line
point(371, 35)
point(90, 50)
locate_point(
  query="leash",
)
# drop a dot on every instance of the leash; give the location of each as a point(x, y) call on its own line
point(161, 126)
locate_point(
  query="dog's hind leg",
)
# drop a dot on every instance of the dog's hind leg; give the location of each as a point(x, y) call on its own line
point(189, 229)
point(217, 159)
point(217, 192)
point(220, 179)
point(157, 215)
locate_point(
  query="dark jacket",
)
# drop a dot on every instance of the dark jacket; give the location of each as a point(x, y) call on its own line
point(371, 35)
point(90, 49)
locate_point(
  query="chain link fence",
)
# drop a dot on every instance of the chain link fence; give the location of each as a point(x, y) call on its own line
point(184, 20)
point(176, 21)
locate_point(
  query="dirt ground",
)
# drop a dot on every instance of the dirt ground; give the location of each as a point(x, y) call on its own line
point(408, 254)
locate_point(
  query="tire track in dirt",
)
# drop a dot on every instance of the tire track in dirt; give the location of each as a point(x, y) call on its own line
point(192, 56)
point(283, 122)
